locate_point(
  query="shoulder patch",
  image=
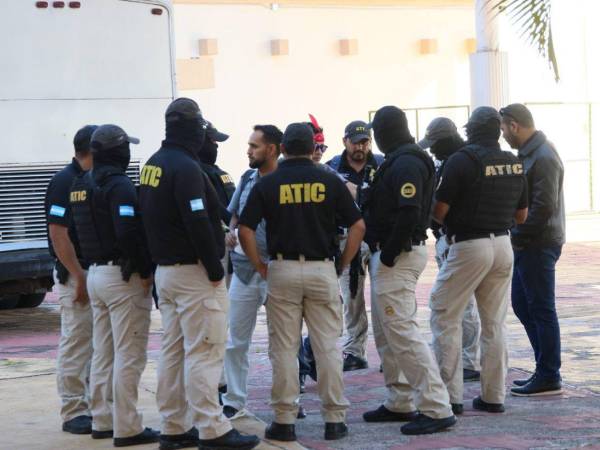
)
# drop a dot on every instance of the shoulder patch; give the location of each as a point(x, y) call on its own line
point(57, 211)
point(408, 190)
point(126, 211)
point(196, 204)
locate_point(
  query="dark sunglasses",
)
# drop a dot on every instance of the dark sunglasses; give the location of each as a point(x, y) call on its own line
point(321, 147)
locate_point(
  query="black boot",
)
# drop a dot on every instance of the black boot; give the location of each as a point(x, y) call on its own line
point(382, 414)
point(334, 431)
point(352, 362)
point(78, 425)
point(427, 425)
point(281, 432)
point(177, 441)
point(145, 437)
point(106, 434)
point(232, 440)
point(471, 375)
point(488, 407)
point(457, 408)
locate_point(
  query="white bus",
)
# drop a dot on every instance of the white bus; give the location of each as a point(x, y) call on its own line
point(65, 64)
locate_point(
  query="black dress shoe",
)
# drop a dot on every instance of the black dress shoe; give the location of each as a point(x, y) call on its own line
point(78, 425)
point(427, 425)
point(334, 431)
point(313, 371)
point(488, 407)
point(145, 437)
point(457, 408)
point(106, 434)
point(302, 380)
point(177, 441)
point(281, 432)
point(353, 362)
point(523, 381)
point(538, 386)
point(301, 412)
point(382, 414)
point(471, 375)
point(232, 440)
point(229, 411)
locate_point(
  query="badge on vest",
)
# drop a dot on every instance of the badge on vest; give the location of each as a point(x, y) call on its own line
point(196, 204)
point(126, 211)
point(503, 170)
point(301, 193)
point(57, 211)
point(226, 179)
point(408, 190)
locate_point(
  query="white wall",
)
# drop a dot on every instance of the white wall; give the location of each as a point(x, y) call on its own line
point(251, 86)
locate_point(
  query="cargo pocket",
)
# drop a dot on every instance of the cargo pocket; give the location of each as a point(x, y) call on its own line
point(214, 327)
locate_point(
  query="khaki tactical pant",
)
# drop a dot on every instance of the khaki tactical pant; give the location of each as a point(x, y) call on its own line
point(309, 290)
point(355, 311)
point(74, 352)
point(194, 319)
point(121, 323)
point(410, 372)
point(471, 325)
point(483, 267)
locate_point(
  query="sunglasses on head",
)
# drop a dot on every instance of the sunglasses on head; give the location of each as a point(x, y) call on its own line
point(321, 147)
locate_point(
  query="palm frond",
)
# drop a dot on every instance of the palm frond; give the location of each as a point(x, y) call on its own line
point(533, 19)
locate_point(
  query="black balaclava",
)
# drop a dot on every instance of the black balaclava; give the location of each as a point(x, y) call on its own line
point(485, 134)
point(390, 129)
point(186, 133)
point(118, 156)
point(208, 152)
point(443, 148)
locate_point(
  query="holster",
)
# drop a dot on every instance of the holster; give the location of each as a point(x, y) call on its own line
point(62, 274)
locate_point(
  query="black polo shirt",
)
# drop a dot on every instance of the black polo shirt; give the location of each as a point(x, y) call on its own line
point(180, 210)
point(56, 203)
point(302, 206)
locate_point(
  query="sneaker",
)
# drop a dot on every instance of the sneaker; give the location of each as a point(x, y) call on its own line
point(145, 437)
point(523, 381)
point(382, 414)
point(537, 387)
point(457, 408)
point(229, 411)
point(232, 440)
point(479, 404)
point(78, 425)
point(281, 432)
point(302, 380)
point(471, 375)
point(176, 441)
point(106, 434)
point(427, 425)
point(301, 412)
point(353, 362)
point(335, 431)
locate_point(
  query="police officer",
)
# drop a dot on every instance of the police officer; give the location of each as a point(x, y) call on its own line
point(357, 164)
point(443, 139)
point(106, 216)
point(221, 180)
point(75, 346)
point(482, 193)
point(397, 216)
point(299, 203)
point(180, 211)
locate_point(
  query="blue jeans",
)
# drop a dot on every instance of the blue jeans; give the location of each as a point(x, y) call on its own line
point(533, 302)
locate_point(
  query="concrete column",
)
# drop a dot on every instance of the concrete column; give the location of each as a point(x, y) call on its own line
point(489, 66)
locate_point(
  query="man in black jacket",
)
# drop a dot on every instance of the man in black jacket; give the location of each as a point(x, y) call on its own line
point(537, 245)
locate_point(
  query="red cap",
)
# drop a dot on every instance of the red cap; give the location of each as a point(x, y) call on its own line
point(319, 136)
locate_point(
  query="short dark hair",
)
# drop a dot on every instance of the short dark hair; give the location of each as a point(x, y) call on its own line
point(519, 113)
point(271, 134)
point(299, 139)
point(81, 140)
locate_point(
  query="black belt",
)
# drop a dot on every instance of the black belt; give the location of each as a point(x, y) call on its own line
point(183, 262)
point(459, 237)
point(414, 242)
point(105, 262)
point(296, 257)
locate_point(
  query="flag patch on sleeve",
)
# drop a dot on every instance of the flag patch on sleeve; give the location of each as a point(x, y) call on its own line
point(126, 211)
point(57, 211)
point(197, 204)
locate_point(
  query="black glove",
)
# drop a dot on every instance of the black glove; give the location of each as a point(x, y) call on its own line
point(62, 274)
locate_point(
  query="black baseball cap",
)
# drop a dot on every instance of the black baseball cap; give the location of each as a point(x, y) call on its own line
point(357, 131)
point(109, 136)
point(299, 135)
point(183, 109)
point(215, 134)
point(519, 113)
point(439, 128)
point(82, 138)
point(482, 115)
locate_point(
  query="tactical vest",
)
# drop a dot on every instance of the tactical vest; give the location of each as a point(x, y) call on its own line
point(92, 217)
point(490, 203)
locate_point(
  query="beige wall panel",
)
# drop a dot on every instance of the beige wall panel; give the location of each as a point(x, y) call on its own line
point(195, 73)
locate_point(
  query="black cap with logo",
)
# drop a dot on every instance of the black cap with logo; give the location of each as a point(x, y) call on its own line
point(183, 109)
point(439, 128)
point(299, 135)
point(357, 131)
point(110, 136)
point(482, 115)
point(214, 134)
